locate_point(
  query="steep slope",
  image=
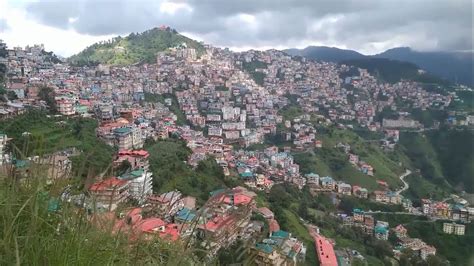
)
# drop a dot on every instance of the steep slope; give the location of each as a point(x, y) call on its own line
point(135, 48)
point(444, 154)
point(460, 63)
point(324, 53)
point(334, 162)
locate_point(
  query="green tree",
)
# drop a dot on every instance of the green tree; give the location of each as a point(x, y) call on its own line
point(11, 95)
point(47, 94)
point(123, 167)
point(303, 210)
point(382, 249)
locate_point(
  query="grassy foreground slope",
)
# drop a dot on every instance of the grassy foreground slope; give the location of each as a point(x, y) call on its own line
point(32, 234)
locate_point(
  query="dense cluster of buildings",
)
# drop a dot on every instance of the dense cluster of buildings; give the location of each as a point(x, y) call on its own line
point(217, 224)
point(215, 101)
point(381, 230)
point(405, 242)
point(443, 210)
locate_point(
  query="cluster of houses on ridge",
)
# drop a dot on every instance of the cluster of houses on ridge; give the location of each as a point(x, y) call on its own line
point(381, 230)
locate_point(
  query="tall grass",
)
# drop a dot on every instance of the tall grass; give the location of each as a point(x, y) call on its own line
point(32, 235)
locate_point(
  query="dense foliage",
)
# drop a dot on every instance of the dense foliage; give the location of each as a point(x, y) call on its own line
point(445, 154)
point(170, 170)
point(135, 48)
point(174, 108)
point(47, 94)
point(284, 201)
point(45, 135)
point(457, 249)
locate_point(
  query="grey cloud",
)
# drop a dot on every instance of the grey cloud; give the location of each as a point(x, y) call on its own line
point(422, 24)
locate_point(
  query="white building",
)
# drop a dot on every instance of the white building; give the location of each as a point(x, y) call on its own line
point(139, 184)
point(454, 228)
point(137, 138)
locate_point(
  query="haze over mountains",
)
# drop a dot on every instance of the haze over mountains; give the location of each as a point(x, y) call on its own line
point(452, 66)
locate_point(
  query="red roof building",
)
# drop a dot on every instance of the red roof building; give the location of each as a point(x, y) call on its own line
point(273, 225)
point(139, 228)
point(137, 158)
point(325, 251)
point(109, 192)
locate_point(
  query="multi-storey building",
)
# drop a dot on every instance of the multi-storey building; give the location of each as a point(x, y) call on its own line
point(65, 105)
point(109, 193)
point(124, 138)
point(140, 184)
point(453, 228)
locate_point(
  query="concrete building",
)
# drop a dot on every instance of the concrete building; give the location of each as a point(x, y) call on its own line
point(109, 193)
point(124, 138)
point(454, 228)
point(65, 105)
point(140, 184)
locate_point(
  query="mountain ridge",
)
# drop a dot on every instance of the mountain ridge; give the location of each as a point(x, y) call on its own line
point(325, 53)
point(459, 70)
point(134, 48)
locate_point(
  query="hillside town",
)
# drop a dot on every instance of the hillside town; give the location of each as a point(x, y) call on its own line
point(223, 104)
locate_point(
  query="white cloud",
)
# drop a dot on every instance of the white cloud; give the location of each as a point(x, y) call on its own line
point(72, 20)
point(171, 8)
point(22, 30)
point(67, 26)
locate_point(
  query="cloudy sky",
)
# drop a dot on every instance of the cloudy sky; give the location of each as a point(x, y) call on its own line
point(368, 26)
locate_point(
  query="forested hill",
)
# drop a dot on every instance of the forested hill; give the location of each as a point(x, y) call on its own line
point(393, 71)
point(459, 71)
point(454, 66)
point(135, 48)
point(323, 53)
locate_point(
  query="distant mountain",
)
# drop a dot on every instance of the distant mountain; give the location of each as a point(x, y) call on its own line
point(452, 66)
point(324, 53)
point(393, 71)
point(135, 48)
point(385, 69)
